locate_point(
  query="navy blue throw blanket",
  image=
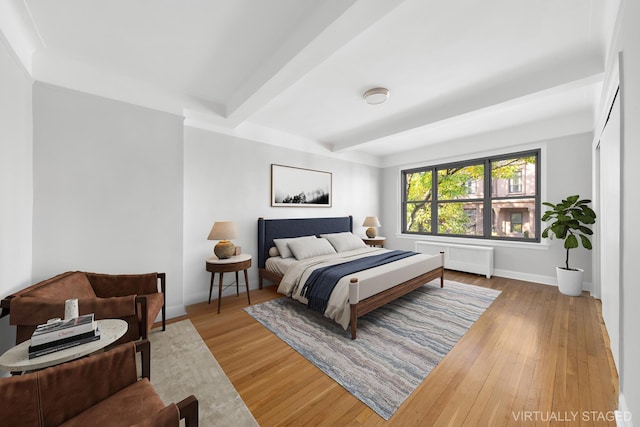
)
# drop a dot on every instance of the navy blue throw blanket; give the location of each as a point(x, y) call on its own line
point(321, 281)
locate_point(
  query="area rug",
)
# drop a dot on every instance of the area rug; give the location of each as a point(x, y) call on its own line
point(181, 365)
point(397, 345)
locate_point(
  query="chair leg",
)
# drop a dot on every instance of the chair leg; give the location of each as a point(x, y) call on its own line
point(246, 282)
point(237, 285)
point(211, 286)
point(220, 292)
point(163, 288)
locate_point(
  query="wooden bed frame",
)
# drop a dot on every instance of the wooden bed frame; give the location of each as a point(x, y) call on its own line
point(269, 229)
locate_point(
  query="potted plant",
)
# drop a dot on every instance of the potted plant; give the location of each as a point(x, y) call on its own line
point(569, 221)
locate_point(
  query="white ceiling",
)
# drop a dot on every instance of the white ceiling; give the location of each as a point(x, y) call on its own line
point(292, 72)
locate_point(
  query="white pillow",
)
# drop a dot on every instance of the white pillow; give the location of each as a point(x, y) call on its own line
point(273, 251)
point(303, 249)
point(283, 245)
point(346, 241)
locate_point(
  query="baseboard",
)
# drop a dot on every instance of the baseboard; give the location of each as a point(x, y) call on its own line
point(527, 277)
point(623, 415)
point(202, 296)
point(173, 311)
point(536, 278)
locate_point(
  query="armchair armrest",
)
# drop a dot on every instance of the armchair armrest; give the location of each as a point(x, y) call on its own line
point(163, 288)
point(5, 304)
point(188, 408)
point(143, 315)
point(144, 348)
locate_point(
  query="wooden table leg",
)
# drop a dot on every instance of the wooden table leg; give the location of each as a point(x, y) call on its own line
point(237, 285)
point(246, 282)
point(220, 292)
point(211, 286)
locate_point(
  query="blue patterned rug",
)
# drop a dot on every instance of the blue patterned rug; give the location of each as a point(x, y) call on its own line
point(397, 345)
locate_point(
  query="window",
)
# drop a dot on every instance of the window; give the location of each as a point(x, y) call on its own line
point(515, 183)
point(516, 222)
point(491, 198)
point(472, 186)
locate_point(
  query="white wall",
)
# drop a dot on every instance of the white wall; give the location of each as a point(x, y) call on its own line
point(108, 188)
point(228, 178)
point(629, 368)
point(561, 177)
point(16, 182)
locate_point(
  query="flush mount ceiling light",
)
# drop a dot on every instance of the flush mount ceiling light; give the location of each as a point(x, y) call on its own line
point(377, 95)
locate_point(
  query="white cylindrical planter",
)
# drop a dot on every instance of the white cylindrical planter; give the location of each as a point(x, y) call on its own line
point(570, 281)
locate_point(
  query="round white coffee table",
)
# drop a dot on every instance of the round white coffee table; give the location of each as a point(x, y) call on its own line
point(17, 359)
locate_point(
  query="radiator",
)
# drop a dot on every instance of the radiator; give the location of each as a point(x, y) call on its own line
point(468, 258)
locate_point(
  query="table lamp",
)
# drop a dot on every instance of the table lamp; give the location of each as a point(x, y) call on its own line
point(223, 231)
point(371, 222)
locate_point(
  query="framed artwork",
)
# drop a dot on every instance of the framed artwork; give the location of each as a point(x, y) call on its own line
point(291, 186)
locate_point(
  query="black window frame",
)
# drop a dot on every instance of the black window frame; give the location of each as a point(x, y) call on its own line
point(486, 199)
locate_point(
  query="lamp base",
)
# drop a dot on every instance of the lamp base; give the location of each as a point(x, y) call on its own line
point(224, 249)
point(371, 232)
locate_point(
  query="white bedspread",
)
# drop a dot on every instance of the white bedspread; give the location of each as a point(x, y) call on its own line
point(372, 281)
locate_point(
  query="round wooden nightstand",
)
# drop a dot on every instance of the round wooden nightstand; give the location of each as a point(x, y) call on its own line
point(233, 264)
point(375, 241)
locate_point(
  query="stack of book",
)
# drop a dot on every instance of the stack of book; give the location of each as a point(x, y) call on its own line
point(62, 334)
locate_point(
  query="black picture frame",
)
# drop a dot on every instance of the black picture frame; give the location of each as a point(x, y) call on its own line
point(299, 187)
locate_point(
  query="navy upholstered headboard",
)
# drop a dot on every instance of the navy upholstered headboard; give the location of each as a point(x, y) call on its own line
point(269, 229)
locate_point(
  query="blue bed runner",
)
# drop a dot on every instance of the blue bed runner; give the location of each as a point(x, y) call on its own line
point(320, 284)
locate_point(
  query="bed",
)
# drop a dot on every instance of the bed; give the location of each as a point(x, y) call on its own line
point(355, 294)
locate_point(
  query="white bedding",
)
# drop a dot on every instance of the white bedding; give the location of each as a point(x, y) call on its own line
point(279, 265)
point(372, 281)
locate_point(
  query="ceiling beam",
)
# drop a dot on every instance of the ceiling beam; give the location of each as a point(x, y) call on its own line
point(311, 44)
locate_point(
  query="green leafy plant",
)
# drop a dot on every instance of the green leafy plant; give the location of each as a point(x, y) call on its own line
point(569, 222)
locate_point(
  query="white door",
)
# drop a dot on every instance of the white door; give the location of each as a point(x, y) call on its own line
point(609, 222)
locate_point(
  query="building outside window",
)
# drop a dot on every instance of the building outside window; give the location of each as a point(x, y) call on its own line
point(490, 198)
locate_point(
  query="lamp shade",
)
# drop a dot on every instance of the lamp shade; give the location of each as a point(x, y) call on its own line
point(371, 221)
point(223, 230)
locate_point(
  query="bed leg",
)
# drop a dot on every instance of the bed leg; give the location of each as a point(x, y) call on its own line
point(354, 321)
point(442, 270)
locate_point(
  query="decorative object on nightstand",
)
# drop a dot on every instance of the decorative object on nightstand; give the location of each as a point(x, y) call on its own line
point(371, 222)
point(223, 231)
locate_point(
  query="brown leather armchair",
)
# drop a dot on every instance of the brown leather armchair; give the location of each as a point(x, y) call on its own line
point(133, 298)
point(99, 390)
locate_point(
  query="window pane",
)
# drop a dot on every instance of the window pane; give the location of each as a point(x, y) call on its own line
point(461, 182)
point(461, 218)
point(514, 218)
point(418, 186)
point(517, 175)
point(418, 218)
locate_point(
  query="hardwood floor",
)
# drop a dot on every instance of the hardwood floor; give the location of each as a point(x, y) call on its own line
point(535, 357)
